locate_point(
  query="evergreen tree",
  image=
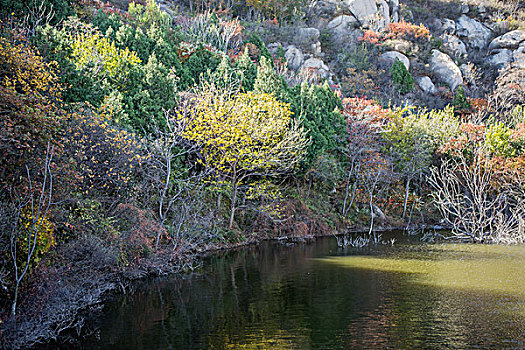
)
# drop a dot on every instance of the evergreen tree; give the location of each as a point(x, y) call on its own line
point(401, 77)
point(247, 70)
point(268, 81)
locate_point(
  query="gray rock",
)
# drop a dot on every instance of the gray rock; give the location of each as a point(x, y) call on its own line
point(448, 26)
point(362, 9)
point(454, 45)
point(445, 69)
point(390, 56)
point(468, 72)
point(294, 57)
point(342, 24)
point(518, 57)
point(344, 30)
point(500, 59)
point(476, 34)
point(306, 36)
point(510, 40)
point(316, 65)
point(383, 14)
point(426, 84)
point(394, 10)
point(435, 24)
point(403, 46)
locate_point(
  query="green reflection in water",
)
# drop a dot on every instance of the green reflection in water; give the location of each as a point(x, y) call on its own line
point(479, 268)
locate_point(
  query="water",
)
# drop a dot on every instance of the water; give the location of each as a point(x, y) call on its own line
point(316, 296)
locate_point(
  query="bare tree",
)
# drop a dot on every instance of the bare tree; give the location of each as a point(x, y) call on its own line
point(39, 13)
point(169, 183)
point(463, 194)
point(39, 208)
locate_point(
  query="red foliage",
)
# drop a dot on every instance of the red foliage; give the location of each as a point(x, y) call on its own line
point(470, 136)
point(139, 232)
point(396, 30)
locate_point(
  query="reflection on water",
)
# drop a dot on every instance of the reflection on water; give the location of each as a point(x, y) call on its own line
point(316, 296)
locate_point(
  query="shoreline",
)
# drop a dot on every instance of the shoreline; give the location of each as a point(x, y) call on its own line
point(102, 286)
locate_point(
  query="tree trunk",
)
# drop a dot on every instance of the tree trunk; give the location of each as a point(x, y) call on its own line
point(406, 197)
point(15, 300)
point(234, 197)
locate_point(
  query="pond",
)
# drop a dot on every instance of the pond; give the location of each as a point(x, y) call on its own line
point(317, 296)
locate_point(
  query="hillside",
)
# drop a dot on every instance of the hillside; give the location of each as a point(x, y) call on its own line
point(137, 135)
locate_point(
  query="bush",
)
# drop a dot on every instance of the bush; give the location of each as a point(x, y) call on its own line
point(319, 109)
point(461, 103)
point(60, 9)
point(247, 69)
point(401, 77)
point(31, 107)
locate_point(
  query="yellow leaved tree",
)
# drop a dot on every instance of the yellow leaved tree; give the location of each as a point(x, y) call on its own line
point(242, 136)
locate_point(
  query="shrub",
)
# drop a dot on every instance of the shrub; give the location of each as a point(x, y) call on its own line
point(461, 103)
point(397, 30)
point(500, 141)
point(268, 81)
point(31, 106)
point(247, 69)
point(401, 77)
point(37, 10)
point(319, 109)
point(212, 30)
point(102, 158)
point(45, 239)
point(242, 136)
point(202, 62)
point(509, 93)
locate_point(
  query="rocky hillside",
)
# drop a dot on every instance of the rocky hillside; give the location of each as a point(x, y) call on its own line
point(444, 44)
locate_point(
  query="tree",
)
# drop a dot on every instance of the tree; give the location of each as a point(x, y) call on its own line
point(247, 69)
point(268, 81)
point(241, 136)
point(401, 77)
point(30, 221)
point(31, 107)
point(319, 109)
point(410, 148)
point(366, 165)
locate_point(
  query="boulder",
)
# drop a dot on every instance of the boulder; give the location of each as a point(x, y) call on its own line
point(435, 24)
point(454, 45)
point(510, 40)
point(319, 13)
point(343, 24)
point(400, 45)
point(362, 9)
point(445, 69)
point(448, 26)
point(316, 65)
point(394, 10)
point(294, 57)
point(476, 34)
point(344, 30)
point(464, 8)
point(390, 56)
point(426, 84)
point(306, 36)
point(469, 73)
point(308, 39)
point(518, 57)
point(383, 14)
point(500, 59)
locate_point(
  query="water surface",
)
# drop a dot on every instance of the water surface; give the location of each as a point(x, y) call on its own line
point(316, 296)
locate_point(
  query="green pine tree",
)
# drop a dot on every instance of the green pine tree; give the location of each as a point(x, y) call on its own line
point(268, 80)
point(247, 71)
point(401, 77)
